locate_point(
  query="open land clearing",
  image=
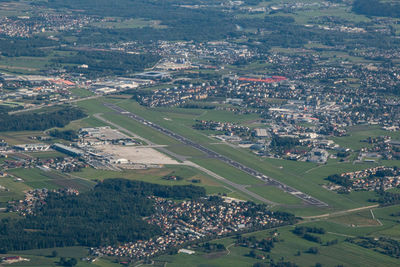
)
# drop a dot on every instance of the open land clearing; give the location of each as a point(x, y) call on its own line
point(144, 155)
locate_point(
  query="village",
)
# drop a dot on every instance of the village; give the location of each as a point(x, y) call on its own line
point(196, 220)
point(372, 179)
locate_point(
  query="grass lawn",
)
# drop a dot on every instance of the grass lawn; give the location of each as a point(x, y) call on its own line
point(361, 132)
point(42, 257)
point(46, 154)
point(188, 174)
point(275, 194)
point(15, 192)
point(36, 178)
point(80, 92)
point(15, 138)
point(357, 219)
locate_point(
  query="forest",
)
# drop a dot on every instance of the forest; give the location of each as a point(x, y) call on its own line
point(110, 214)
point(108, 63)
point(182, 23)
point(40, 121)
point(377, 8)
point(17, 47)
point(69, 135)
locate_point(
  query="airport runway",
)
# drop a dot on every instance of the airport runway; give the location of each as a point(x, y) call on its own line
point(212, 154)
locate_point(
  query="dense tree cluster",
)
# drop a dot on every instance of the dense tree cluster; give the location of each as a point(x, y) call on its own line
point(313, 250)
point(16, 47)
point(70, 262)
point(212, 247)
point(275, 264)
point(108, 63)
point(300, 230)
point(197, 106)
point(69, 135)
point(283, 143)
point(265, 244)
point(387, 198)
point(40, 121)
point(110, 214)
point(182, 23)
point(377, 8)
point(383, 245)
point(6, 109)
point(304, 232)
point(340, 180)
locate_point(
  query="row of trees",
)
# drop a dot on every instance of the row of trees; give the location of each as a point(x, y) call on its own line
point(387, 246)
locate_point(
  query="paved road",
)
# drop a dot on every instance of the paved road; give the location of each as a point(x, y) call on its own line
point(54, 104)
point(342, 212)
point(212, 154)
point(238, 187)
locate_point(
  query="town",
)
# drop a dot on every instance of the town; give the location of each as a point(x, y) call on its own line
point(190, 221)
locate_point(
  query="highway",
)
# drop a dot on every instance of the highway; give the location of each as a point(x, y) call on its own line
point(212, 154)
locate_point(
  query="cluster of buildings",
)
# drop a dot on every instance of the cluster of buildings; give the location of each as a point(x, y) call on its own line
point(30, 90)
point(380, 147)
point(65, 164)
point(13, 259)
point(175, 96)
point(27, 26)
point(227, 128)
point(182, 55)
point(103, 135)
point(35, 199)
point(188, 221)
point(377, 178)
point(116, 84)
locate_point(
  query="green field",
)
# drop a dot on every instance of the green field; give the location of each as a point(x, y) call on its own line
point(275, 195)
point(304, 176)
point(80, 92)
point(288, 249)
point(36, 178)
point(15, 190)
point(155, 176)
point(43, 258)
point(343, 253)
point(358, 133)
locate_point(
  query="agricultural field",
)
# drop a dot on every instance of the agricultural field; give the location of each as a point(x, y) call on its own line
point(294, 248)
point(37, 178)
